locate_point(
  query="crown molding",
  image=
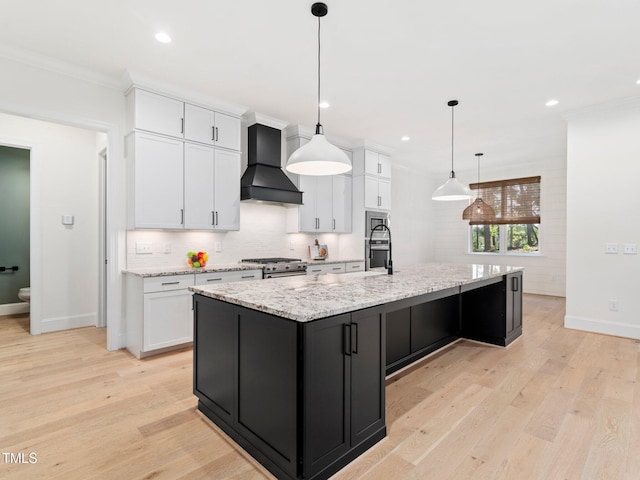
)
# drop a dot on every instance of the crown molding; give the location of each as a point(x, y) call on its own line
point(44, 62)
point(376, 147)
point(254, 117)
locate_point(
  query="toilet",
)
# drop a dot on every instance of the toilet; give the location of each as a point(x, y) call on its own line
point(24, 294)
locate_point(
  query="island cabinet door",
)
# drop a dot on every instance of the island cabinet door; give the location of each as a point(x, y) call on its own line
point(514, 306)
point(214, 353)
point(367, 374)
point(327, 393)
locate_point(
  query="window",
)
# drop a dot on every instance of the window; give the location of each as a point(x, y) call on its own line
point(516, 226)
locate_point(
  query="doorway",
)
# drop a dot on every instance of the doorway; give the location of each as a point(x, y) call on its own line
point(14, 228)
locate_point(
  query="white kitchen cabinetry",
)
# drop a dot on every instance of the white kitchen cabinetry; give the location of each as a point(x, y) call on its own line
point(372, 175)
point(211, 193)
point(316, 212)
point(155, 175)
point(339, 267)
point(341, 205)
point(155, 113)
point(210, 127)
point(159, 311)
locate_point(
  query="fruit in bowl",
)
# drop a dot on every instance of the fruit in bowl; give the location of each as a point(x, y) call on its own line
point(197, 259)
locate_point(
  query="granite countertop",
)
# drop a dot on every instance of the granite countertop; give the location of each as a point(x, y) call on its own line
point(310, 297)
point(327, 261)
point(186, 270)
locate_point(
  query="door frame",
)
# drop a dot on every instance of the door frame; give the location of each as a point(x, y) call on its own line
point(114, 250)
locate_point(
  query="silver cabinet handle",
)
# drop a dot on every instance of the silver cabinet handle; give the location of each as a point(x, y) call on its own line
point(317, 270)
point(355, 266)
point(216, 217)
point(182, 216)
point(334, 224)
point(213, 218)
point(214, 279)
point(248, 276)
point(217, 136)
point(170, 283)
point(336, 268)
point(213, 134)
point(182, 125)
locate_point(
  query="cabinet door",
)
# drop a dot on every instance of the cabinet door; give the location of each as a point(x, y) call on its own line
point(158, 184)
point(214, 351)
point(227, 190)
point(307, 211)
point(514, 304)
point(167, 319)
point(198, 187)
point(324, 203)
point(199, 124)
point(385, 166)
point(371, 166)
point(384, 191)
point(227, 131)
point(327, 373)
point(367, 374)
point(159, 114)
point(341, 204)
point(371, 198)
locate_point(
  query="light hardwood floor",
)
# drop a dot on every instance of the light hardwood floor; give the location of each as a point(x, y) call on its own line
point(556, 404)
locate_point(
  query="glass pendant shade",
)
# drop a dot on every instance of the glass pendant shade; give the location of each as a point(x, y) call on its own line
point(318, 157)
point(452, 190)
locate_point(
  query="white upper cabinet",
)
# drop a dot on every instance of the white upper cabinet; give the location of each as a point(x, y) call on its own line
point(213, 128)
point(211, 193)
point(326, 204)
point(164, 115)
point(156, 113)
point(156, 174)
point(341, 190)
point(373, 172)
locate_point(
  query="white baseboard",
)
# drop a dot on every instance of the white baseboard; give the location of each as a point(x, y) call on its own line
point(607, 327)
point(67, 322)
point(14, 308)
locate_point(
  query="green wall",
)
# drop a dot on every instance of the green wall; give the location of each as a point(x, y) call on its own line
point(14, 221)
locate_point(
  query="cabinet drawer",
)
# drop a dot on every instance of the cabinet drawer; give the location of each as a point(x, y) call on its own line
point(167, 283)
point(354, 267)
point(329, 268)
point(211, 278)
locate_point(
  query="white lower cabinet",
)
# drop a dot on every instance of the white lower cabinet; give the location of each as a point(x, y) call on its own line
point(346, 267)
point(159, 310)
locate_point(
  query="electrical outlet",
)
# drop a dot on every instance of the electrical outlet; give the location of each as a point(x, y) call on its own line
point(167, 248)
point(291, 246)
point(611, 248)
point(218, 247)
point(613, 305)
point(630, 249)
point(143, 248)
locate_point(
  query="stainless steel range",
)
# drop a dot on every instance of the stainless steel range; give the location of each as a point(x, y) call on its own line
point(280, 267)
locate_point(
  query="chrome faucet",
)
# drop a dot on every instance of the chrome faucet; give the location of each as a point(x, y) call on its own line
point(388, 264)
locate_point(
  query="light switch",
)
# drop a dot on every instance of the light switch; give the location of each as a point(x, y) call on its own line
point(611, 248)
point(218, 247)
point(630, 249)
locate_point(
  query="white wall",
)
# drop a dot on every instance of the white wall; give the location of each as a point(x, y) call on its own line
point(544, 274)
point(67, 179)
point(603, 168)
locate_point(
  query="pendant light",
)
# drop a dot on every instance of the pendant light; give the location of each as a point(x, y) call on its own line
point(479, 213)
point(318, 157)
point(452, 189)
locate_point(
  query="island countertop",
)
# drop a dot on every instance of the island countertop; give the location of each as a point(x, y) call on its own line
point(310, 297)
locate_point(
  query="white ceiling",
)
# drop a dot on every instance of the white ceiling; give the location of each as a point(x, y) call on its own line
point(389, 67)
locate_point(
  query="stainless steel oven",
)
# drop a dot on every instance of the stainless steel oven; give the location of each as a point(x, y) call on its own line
point(275, 267)
point(376, 247)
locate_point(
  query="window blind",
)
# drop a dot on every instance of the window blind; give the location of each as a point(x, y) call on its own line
point(514, 201)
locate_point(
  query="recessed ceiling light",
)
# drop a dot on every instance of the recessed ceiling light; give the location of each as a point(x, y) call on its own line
point(638, 82)
point(323, 104)
point(405, 138)
point(552, 103)
point(162, 37)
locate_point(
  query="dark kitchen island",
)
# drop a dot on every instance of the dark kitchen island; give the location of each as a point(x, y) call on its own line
point(293, 369)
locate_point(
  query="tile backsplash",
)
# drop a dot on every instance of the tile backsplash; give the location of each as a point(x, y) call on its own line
point(262, 233)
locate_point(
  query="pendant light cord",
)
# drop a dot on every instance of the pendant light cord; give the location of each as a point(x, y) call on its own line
point(318, 125)
point(453, 174)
